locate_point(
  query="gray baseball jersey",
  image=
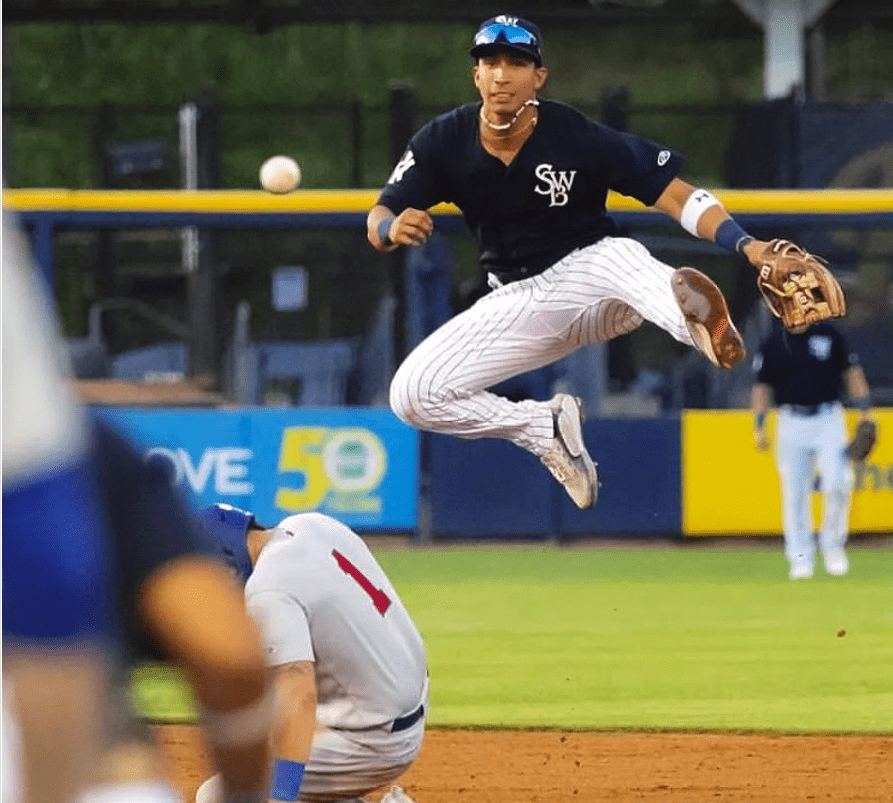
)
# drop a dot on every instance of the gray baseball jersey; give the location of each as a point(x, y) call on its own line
point(319, 595)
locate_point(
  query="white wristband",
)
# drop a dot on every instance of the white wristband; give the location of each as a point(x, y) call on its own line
point(241, 726)
point(698, 203)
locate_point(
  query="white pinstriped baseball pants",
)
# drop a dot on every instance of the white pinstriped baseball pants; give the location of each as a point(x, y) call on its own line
point(592, 295)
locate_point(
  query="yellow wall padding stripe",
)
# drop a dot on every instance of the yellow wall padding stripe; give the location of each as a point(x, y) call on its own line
point(320, 201)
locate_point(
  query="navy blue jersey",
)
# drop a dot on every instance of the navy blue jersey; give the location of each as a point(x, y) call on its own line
point(805, 369)
point(548, 202)
point(150, 526)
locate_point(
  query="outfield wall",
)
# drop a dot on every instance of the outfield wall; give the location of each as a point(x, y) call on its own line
point(695, 474)
point(45, 212)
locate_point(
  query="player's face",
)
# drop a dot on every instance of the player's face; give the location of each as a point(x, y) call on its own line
point(505, 81)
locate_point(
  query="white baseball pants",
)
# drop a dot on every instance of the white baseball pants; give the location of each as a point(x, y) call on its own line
point(806, 443)
point(592, 295)
point(345, 765)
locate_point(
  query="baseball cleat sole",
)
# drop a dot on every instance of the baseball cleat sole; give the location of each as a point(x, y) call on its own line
point(707, 317)
point(568, 459)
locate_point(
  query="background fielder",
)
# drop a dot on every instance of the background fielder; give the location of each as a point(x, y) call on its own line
point(532, 178)
point(350, 666)
point(805, 375)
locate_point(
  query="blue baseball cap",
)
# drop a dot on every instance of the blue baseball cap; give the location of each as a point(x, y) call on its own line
point(507, 32)
point(228, 527)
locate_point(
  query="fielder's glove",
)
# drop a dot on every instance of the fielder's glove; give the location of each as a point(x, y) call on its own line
point(798, 288)
point(863, 441)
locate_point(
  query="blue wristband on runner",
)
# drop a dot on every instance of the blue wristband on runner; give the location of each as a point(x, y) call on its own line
point(731, 236)
point(287, 777)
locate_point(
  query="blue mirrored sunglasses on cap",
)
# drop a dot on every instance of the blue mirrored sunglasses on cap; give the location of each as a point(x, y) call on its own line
point(498, 32)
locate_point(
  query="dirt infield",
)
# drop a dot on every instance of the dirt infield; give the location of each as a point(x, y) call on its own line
point(548, 767)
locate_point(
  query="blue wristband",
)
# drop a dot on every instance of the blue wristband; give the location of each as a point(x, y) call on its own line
point(383, 229)
point(761, 420)
point(287, 777)
point(862, 403)
point(731, 236)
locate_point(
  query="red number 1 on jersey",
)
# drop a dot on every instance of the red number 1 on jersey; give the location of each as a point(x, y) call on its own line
point(380, 600)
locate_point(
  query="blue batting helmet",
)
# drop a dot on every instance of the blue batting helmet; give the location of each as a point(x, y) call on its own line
point(228, 527)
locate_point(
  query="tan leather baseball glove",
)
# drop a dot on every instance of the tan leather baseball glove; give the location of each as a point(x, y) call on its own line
point(798, 288)
point(863, 441)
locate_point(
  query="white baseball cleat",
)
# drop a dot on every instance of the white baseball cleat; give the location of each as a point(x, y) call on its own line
point(707, 317)
point(836, 562)
point(396, 794)
point(211, 791)
point(801, 571)
point(567, 458)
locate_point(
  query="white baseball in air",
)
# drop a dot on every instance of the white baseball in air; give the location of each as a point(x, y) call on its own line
point(280, 174)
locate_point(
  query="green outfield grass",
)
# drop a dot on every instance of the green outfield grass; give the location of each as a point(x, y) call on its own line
point(683, 637)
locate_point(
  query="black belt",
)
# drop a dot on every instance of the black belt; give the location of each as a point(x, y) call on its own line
point(507, 277)
point(808, 409)
point(402, 723)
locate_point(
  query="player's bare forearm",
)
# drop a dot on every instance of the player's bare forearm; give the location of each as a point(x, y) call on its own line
point(197, 613)
point(673, 198)
point(385, 231)
point(760, 399)
point(705, 221)
point(292, 735)
point(857, 388)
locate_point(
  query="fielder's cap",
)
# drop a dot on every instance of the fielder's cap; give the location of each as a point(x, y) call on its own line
point(506, 32)
point(228, 526)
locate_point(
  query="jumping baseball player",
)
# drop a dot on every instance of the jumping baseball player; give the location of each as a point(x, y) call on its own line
point(804, 375)
point(531, 178)
point(350, 670)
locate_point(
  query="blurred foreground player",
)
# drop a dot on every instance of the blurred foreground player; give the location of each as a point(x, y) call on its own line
point(349, 665)
point(178, 604)
point(57, 635)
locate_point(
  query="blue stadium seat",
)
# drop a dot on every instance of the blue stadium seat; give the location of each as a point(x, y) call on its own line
point(161, 361)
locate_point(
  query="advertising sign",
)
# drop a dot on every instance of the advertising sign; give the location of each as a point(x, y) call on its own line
point(359, 465)
point(730, 488)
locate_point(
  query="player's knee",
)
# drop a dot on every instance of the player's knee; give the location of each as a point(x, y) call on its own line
point(409, 405)
point(402, 403)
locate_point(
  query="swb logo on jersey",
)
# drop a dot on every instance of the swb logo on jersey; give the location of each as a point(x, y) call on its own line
point(557, 183)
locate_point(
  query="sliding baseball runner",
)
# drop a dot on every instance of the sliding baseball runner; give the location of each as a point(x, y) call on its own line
point(349, 665)
point(531, 178)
